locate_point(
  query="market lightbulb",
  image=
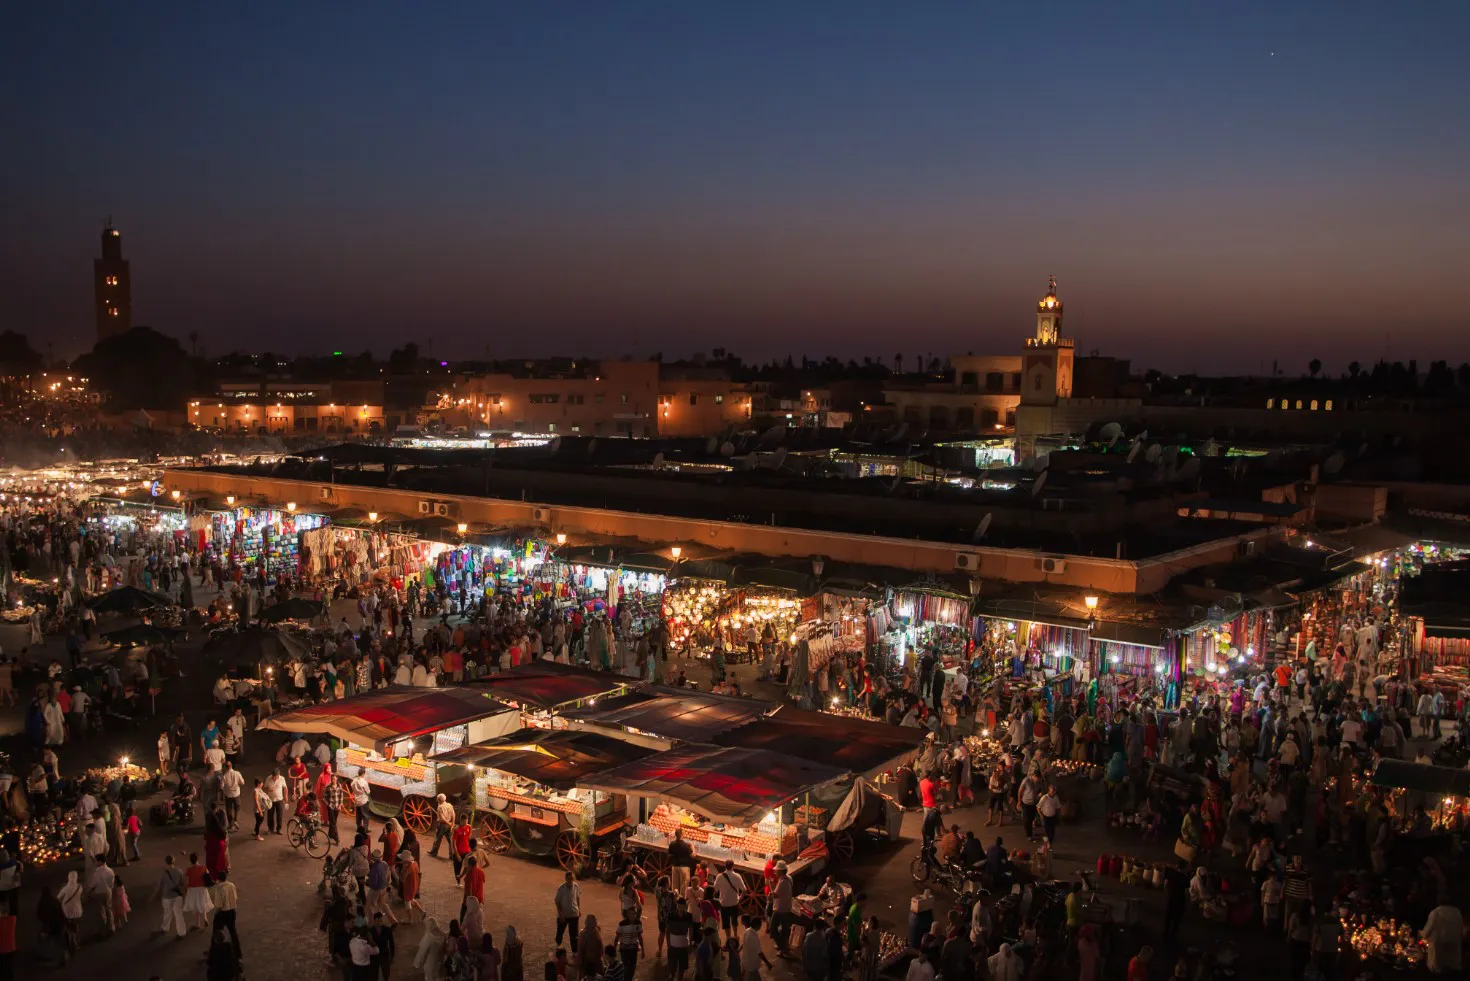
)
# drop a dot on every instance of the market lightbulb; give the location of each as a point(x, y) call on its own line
point(124, 761)
point(230, 499)
point(372, 516)
point(561, 538)
point(1115, 659)
point(985, 733)
point(770, 815)
point(676, 551)
point(290, 505)
point(463, 527)
point(1090, 602)
point(836, 702)
point(175, 494)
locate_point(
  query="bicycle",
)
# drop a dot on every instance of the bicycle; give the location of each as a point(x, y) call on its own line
point(308, 833)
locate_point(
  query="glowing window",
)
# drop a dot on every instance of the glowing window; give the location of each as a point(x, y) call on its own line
point(1270, 403)
point(1298, 403)
point(1328, 405)
point(1314, 405)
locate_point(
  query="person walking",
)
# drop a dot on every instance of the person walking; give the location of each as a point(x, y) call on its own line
point(232, 784)
point(568, 903)
point(275, 790)
point(171, 888)
point(225, 898)
point(630, 941)
point(1049, 807)
point(408, 883)
point(443, 827)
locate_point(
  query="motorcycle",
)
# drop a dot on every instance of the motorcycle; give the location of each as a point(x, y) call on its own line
point(955, 878)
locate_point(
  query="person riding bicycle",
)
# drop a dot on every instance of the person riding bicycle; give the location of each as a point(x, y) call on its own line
point(306, 810)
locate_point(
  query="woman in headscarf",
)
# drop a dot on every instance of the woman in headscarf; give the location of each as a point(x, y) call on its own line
point(589, 948)
point(472, 924)
point(489, 964)
point(1006, 965)
point(1089, 953)
point(868, 950)
point(512, 966)
point(429, 957)
point(216, 845)
point(70, 897)
point(391, 840)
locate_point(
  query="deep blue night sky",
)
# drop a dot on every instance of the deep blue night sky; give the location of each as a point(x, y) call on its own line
point(858, 178)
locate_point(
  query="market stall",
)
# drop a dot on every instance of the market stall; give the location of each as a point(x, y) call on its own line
point(391, 735)
point(543, 689)
point(526, 793)
point(672, 714)
point(730, 803)
point(870, 750)
point(256, 538)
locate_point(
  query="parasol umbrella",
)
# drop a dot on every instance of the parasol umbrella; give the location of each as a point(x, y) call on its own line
point(141, 635)
point(130, 600)
point(291, 609)
point(254, 646)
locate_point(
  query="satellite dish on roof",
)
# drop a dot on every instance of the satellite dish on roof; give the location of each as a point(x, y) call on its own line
point(711, 446)
point(1363, 450)
point(592, 446)
point(658, 460)
point(727, 449)
point(982, 527)
point(1190, 468)
point(1133, 451)
point(1038, 483)
point(1110, 432)
point(1333, 464)
point(893, 486)
point(899, 432)
point(554, 445)
point(779, 458)
point(1041, 461)
point(1153, 453)
point(1171, 453)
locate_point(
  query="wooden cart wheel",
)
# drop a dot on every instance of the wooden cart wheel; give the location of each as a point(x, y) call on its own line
point(572, 851)
point(840, 844)
point(348, 808)
point(418, 814)
point(657, 863)
point(495, 833)
point(753, 904)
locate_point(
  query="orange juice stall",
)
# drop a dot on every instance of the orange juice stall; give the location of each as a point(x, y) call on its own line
point(390, 736)
point(526, 793)
point(744, 805)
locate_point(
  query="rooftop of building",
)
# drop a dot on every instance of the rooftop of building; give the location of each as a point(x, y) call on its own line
point(1122, 510)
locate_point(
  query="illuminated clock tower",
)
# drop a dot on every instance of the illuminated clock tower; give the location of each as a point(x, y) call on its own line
point(112, 286)
point(1046, 367)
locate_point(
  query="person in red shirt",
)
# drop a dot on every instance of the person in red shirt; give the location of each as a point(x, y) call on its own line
point(473, 881)
point(929, 798)
point(1138, 966)
point(459, 838)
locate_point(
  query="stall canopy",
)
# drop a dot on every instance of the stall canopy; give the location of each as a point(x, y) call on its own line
point(727, 784)
point(384, 716)
point(857, 745)
point(675, 713)
point(1446, 781)
point(559, 758)
point(546, 685)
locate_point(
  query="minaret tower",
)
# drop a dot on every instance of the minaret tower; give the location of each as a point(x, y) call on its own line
point(112, 286)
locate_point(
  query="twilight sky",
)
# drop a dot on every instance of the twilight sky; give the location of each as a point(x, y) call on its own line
point(1214, 185)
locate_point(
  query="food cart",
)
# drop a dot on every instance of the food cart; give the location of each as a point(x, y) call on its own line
point(848, 810)
point(527, 796)
point(730, 803)
point(391, 735)
point(543, 690)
